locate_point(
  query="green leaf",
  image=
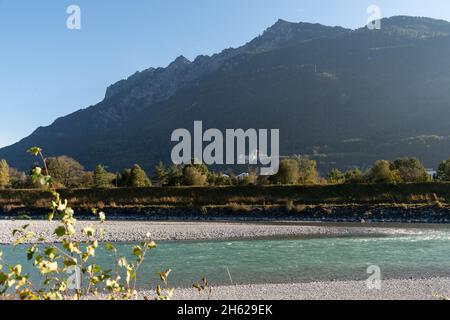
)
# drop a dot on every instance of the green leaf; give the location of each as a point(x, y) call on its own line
point(60, 231)
point(44, 180)
point(50, 252)
point(164, 275)
point(69, 262)
point(3, 278)
point(31, 251)
point(151, 245)
point(34, 151)
point(137, 251)
point(97, 269)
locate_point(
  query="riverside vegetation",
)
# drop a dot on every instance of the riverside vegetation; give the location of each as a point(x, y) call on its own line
point(403, 181)
point(68, 173)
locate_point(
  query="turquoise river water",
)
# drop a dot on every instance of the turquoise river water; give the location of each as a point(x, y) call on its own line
point(422, 254)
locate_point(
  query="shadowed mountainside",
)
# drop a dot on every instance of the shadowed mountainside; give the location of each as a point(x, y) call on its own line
point(345, 97)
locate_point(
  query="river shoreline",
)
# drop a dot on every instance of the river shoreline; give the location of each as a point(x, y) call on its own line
point(410, 289)
point(136, 231)
point(428, 214)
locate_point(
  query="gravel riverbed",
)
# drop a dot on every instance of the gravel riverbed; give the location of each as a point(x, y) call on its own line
point(133, 231)
point(411, 289)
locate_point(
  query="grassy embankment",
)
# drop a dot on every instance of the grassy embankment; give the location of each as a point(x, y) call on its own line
point(239, 198)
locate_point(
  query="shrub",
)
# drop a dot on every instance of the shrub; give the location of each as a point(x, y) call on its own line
point(382, 172)
point(193, 177)
point(238, 207)
point(87, 181)
point(65, 171)
point(335, 176)
point(354, 176)
point(443, 173)
point(161, 174)
point(307, 171)
point(138, 178)
point(288, 172)
point(289, 205)
point(18, 179)
point(101, 178)
point(174, 176)
point(410, 170)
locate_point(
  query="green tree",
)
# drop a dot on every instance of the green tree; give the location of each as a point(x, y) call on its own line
point(138, 178)
point(288, 173)
point(174, 175)
point(307, 171)
point(264, 181)
point(161, 174)
point(354, 176)
point(18, 179)
point(410, 170)
point(4, 174)
point(335, 176)
point(87, 181)
point(202, 168)
point(124, 179)
point(443, 173)
point(221, 179)
point(65, 171)
point(382, 172)
point(101, 178)
point(192, 176)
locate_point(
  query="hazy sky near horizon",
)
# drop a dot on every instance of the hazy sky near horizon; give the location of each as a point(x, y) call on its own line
point(48, 71)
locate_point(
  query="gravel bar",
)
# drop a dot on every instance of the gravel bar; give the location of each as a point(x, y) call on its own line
point(133, 231)
point(412, 289)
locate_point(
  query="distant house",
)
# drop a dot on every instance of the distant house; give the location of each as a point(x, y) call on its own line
point(242, 176)
point(431, 172)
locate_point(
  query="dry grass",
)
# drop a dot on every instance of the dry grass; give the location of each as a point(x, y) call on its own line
point(239, 207)
point(253, 196)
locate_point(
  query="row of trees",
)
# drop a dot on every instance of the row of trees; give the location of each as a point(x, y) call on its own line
point(68, 173)
point(405, 170)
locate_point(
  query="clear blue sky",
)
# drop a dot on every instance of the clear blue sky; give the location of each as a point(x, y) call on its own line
point(48, 71)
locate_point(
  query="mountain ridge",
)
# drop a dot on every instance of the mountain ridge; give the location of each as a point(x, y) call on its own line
point(140, 110)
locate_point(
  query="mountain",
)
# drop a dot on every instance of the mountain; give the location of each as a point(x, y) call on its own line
point(344, 97)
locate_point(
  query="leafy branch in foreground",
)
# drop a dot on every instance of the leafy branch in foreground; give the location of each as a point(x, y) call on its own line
point(203, 288)
point(69, 270)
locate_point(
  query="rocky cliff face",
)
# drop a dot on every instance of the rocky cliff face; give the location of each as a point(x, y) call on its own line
point(155, 85)
point(158, 84)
